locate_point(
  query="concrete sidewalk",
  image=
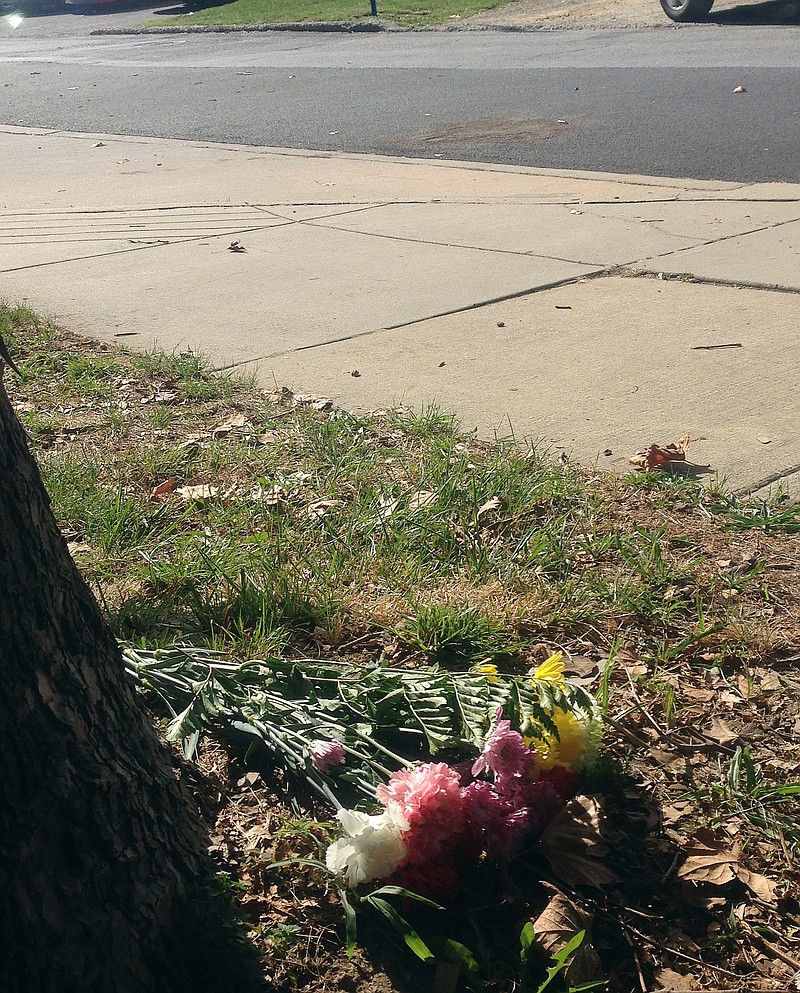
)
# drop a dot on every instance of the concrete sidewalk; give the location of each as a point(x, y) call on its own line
point(523, 300)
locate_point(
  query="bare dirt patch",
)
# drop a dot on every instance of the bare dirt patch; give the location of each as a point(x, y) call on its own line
point(603, 14)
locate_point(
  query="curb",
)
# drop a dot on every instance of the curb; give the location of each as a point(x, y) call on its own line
point(344, 27)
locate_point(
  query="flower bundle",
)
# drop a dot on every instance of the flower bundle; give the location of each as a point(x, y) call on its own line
point(438, 819)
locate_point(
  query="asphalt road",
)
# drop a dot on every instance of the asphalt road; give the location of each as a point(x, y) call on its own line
point(656, 102)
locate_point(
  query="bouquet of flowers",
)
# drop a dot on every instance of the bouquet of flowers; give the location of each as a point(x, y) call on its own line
point(438, 819)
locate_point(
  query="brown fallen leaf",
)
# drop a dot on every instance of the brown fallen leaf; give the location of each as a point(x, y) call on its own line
point(581, 670)
point(421, 499)
point(490, 507)
point(574, 846)
point(386, 506)
point(670, 981)
point(197, 494)
point(763, 888)
point(319, 508)
point(239, 421)
point(764, 439)
point(166, 487)
point(558, 923)
point(268, 438)
point(270, 496)
point(78, 547)
point(719, 731)
point(307, 400)
point(661, 457)
point(711, 859)
point(708, 860)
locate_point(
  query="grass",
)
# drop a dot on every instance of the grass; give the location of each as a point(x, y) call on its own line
point(395, 539)
point(400, 12)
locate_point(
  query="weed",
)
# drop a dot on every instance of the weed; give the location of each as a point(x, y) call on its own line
point(455, 637)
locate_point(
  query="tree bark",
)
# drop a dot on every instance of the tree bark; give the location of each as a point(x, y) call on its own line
point(104, 881)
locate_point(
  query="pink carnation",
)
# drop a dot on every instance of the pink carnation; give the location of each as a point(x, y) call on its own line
point(506, 755)
point(429, 798)
point(326, 754)
point(502, 822)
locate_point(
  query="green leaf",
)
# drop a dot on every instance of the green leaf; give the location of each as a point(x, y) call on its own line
point(454, 951)
point(560, 958)
point(526, 941)
point(350, 922)
point(409, 935)
point(409, 894)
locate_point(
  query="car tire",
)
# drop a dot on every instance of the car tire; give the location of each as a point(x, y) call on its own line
point(686, 10)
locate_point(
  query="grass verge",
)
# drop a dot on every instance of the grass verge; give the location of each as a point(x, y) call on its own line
point(396, 12)
point(204, 511)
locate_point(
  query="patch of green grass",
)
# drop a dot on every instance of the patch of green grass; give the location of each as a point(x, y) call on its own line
point(318, 525)
point(351, 11)
point(455, 637)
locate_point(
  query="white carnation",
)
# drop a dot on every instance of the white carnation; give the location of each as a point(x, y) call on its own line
point(373, 848)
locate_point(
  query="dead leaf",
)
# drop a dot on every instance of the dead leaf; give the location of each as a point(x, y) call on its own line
point(272, 496)
point(558, 923)
point(574, 846)
point(708, 860)
point(490, 507)
point(740, 89)
point(308, 400)
point(768, 680)
point(661, 457)
point(99, 144)
point(421, 499)
point(720, 732)
point(197, 494)
point(763, 888)
point(236, 246)
point(386, 507)
point(239, 421)
point(78, 547)
point(166, 487)
point(701, 696)
point(581, 670)
point(671, 982)
point(319, 508)
point(764, 439)
point(268, 438)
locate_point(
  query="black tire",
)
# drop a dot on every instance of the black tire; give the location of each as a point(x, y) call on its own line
point(687, 10)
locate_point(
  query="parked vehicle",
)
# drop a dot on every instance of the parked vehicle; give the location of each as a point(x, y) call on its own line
point(686, 10)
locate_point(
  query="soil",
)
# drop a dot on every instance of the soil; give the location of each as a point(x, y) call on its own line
point(605, 14)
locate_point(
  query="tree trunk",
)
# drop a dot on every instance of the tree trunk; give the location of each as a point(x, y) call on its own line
point(104, 882)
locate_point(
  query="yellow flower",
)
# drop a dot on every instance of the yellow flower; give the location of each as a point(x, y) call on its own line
point(567, 749)
point(552, 671)
point(488, 669)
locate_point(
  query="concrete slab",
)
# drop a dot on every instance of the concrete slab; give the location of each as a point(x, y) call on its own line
point(619, 369)
point(705, 221)
point(342, 247)
point(764, 258)
point(612, 234)
point(62, 170)
point(562, 231)
point(295, 286)
point(36, 238)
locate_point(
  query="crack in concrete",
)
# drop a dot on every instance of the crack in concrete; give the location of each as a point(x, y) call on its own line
point(420, 320)
point(773, 477)
point(143, 248)
point(729, 237)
